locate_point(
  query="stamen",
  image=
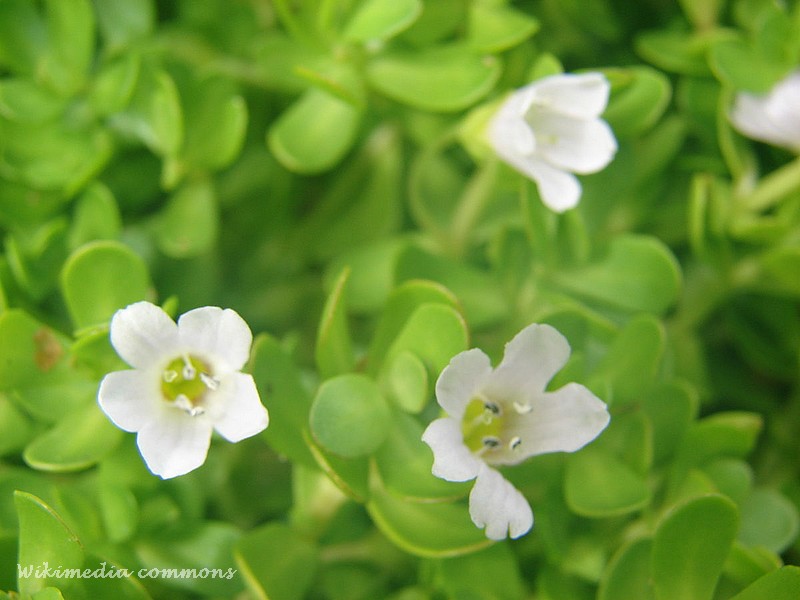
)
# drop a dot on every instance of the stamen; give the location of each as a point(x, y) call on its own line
point(515, 443)
point(491, 441)
point(210, 382)
point(170, 375)
point(186, 406)
point(522, 409)
point(189, 371)
point(492, 408)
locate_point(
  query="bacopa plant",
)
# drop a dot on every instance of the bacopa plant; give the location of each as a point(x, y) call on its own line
point(404, 300)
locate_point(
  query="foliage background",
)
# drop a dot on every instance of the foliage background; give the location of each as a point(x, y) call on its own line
point(319, 166)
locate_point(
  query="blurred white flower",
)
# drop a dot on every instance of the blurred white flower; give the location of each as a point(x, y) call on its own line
point(504, 415)
point(773, 117)
point(550, 129)
point(184, 384)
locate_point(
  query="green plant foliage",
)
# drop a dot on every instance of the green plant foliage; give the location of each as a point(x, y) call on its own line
point(336, 172)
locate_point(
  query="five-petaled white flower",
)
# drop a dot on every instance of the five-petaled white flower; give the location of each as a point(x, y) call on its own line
point(773, 117)
point(503, 416)
point(550, 129)
point(185, 382)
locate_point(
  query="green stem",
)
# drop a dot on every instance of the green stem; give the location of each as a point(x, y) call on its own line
point(288, 20)
point(472, 204)
point(774, 187)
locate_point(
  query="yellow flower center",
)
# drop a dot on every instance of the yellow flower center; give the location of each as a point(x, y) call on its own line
point(484, 427)
point(185, 381)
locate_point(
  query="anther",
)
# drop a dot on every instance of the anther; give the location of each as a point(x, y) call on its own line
point(209, 381)
point(170, 375)
point(492, 408)
point(515, 443)
point(522, 409)
point(186, 406)
point(491, 441)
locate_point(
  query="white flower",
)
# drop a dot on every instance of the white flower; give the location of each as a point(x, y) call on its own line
point(503, 416)
point(184, 384)
point(550, 129)
point(774, 117)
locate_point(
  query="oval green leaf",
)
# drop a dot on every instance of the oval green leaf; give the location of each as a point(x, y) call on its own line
point(597, 484)
point(690, 547)
point(314, 133)
point(377, 20)
point(444, 79)
point(349, 416)
point(100, 278)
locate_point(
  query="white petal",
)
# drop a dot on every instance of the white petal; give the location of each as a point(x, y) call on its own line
point(577, 145)
point(220, 334)
point(510, 134)
point(773, 118)
point(560, 421)
point(750, 117)
point(460, 380)
point(131, 399)
point(235, 408)
point(530, 361)
point(498, 506)
point(452, 460)
point(143, 334)
point(174, 444)
point(558, 189)
point(579, 95)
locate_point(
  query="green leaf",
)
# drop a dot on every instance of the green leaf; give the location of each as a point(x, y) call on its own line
point(215, 101)
point(769, 520)
point(638, 273)
point(208, 545)
point(276, 562)
point(79, 441)
point(96, 216)
point(280, 386)
point(630, 364)
point(315, 133)
point(732, 477)
point(349, 416)
point(124, 21)
point(742, 67)
point(490, 573)
point(25, 101)
point(188, 225)
point(113, 86)
point(442, 79)
point(334, 349)
point(375, 20)
point(351, 475)
point(29, 351)
point(404, 464)
point(434, 333)
point(478, 292)
point(597, 484)
point(428, 530)
point(16, 428)
point(690, 547)
point(99, 278)
point(671, 408)
point(783, 584)
point(102, 585)
point(44, 537)
point(638, 99)
point(70, 36)
point(677, 51)
point(725, 434)
point(406, 298)
point(495, 27)
point(627, 576)
point(406, 382)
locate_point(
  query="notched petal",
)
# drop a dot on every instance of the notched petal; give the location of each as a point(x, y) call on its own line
point(143, 334)
point(497, 506)
point(452, 460)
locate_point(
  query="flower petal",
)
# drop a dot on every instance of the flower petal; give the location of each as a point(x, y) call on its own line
point(460, 380)
point(498, 506)
point(560, 421)
point(529, 362)
point(509, 133)
point(578, 145)
point(174, 444)
point(131, 399)
point(584, 95)
point(452, 460)
point(773, 118)
point(235, 408)
point(558, 189)
point(221, 334)
point(143, 334)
